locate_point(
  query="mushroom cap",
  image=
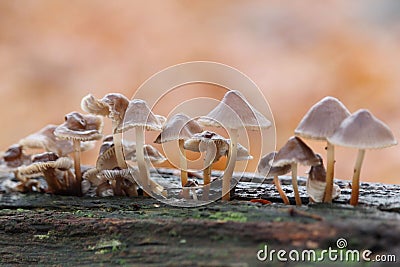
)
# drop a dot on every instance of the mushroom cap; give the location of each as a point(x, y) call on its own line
point(295, 151)
point(45, 157)
point(179, 127)
point(63, 163)
point(150, 153)
point(80, 127)
point(111, 175)
point(265, 166)
point(108, 142)
point(107, 160)
point(137, 114)
point(318, 172)
point(14, 156)
point(117, 104)
point(363, 130)
point(94, 106)
point(214, 144)
point(322, 119)
point(234, 112)
point(46, 139)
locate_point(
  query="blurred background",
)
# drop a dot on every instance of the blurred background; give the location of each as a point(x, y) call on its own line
point(52, 53)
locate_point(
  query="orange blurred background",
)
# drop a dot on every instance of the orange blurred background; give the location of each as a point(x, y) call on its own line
point(52, 53)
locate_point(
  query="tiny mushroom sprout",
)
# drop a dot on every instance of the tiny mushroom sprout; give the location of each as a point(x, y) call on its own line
point(265, 168)
point(46, 140)
point(113, 106)
point(316, 183)
point(362, 130)
point(294, 152)
point(233, 112)
point(79, 128)
point(141, 118)
point(179, 128)
point(319, 123)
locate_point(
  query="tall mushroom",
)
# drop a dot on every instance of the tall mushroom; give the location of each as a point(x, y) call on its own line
point(265, 168)
point(294, 152)
point(319, 123)
point(233, 113)
point(138, 116)
point(113, 106)
point(179, 128)
point(362, 130)
point(79, 128)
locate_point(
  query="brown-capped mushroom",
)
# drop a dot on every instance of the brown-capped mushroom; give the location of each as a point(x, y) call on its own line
point(234, 113)
point(319, 123)
point(121, 175)
point(362, 130)
point(113, 106)
point(265, 168)
point(46, 139)
point(179, 127)
point(294, 152)
point(316, 183)
point(14, 157)
point(79, 128)
point(140, 117)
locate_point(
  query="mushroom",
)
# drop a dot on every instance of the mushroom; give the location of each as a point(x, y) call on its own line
point(362, 130)
point(139, 117)
point(192, 185)
point(151, 154)
point(79, 128)
point(319, 123)
point(121, 175)
point(265, 168)
point(179, 128)
point(294, 152)
point(14, 156)
point(45, 139)
point(233, 113)
point(316, 183)
point(215, 146)
point(56, 171)
point(113, 106)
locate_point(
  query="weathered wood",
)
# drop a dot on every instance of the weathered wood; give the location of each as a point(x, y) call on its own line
point(42, 229)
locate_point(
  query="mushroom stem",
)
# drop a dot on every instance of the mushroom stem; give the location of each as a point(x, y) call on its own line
point(207, 175)
point(183, 162)
point(117, 138)
point(77, 166)
point(355, 186)
point(280, 190)
point(232, 154)
point(143, 172)
point(329, 172)
point(295, 186)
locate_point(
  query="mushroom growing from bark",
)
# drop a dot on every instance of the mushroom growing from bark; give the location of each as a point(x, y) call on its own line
point(319, 123)
point(316, 183)
point(114, 107)
point(79, 128)
point(233, 113)
point(179, 128)
point(265, 168)
point(294, 152)
point(141, 118)
point(362, 130)
point(46, 139)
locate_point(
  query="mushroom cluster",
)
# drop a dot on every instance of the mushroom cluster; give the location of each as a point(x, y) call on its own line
point(45, 154)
